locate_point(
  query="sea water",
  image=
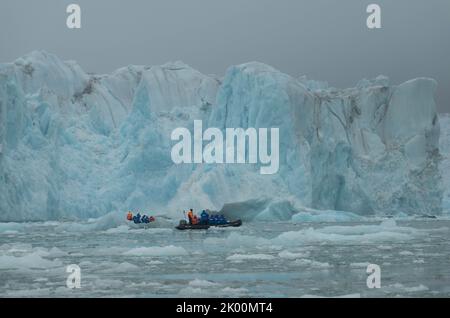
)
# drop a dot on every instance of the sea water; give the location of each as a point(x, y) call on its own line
point(259, 259)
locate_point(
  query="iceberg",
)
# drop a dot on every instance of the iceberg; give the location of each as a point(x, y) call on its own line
point(75, 145)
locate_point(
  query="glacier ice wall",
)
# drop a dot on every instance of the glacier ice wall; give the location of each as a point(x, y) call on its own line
point(368, 149)
point(78, 145)
point(445, 163)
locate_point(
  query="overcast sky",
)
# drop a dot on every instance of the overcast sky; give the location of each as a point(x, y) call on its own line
point(323, 39)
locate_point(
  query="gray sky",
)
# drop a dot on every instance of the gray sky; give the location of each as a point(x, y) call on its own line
point(323, 39)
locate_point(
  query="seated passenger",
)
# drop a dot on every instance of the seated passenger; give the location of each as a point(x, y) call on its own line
point(222, 219)
point(204, 217)
point(137, 218)
point(129, 216)
point(191, 216)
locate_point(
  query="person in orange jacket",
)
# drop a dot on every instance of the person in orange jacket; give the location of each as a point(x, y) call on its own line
point(192, 217)
point(129, 216)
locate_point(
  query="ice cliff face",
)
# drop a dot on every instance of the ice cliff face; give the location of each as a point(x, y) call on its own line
point(79, 145)
point(445, 164)
point(369, 149)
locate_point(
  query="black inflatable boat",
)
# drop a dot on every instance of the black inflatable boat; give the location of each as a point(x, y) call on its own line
point(186, 226)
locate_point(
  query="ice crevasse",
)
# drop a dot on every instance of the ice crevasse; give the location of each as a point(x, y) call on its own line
point(79, 145)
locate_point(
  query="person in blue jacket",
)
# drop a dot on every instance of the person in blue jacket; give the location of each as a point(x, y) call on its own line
point(213, 220)
point(137, 218)
point(204, 217)
point(222, 219)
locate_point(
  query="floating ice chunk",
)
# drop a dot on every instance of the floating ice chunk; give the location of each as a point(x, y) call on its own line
point(112, 250)
point(124, 267)
point(28, 293)
point(358, 265)
point(338, 296)
point(246, 257)
point(233, 292)
point(356, 295)
point(11, 227)
point(289, 255)
point(55, 252)
point(277, 211)
point(412, 289)
point(237, 240)
point(419, 261)
point(344, 235)
point(326, 216)
point(192, 292)
point(311, 263)
point(28, 261)
point(86, 264)
point(155, 263)
point(387, 231)
point(118, 230)
point(169, 250)
point(388, 223)
point(202, 283)
point(10, 232)
point(108, 283)
point(200, 291)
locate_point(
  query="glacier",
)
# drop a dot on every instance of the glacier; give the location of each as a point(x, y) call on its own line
point(445, 162)
point(75, 145)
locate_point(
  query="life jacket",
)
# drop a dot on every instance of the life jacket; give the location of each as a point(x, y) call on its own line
point(190, 215)
point(130, 216)
point(137, 218)
point(204, 217)
point(195, 220)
